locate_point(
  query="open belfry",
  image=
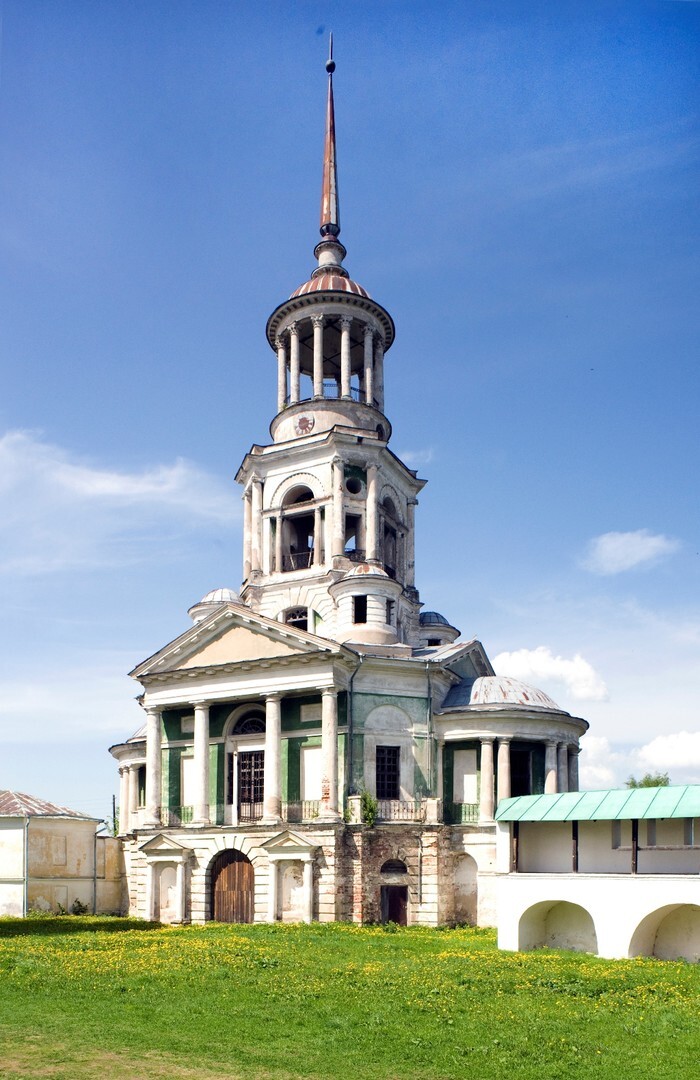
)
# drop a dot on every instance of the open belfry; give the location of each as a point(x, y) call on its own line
point(317, 746)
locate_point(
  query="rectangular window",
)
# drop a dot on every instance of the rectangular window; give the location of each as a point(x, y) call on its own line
point(359, 609)
point(141, 785)
point(388, 772)
point(390, 612)
point(251, 776)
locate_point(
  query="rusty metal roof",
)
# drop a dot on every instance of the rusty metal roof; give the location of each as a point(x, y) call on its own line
point(18, 804)
point(612, 804)
point(498, 690)
point(330, 282)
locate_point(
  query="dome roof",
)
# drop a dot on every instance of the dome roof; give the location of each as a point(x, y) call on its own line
point(221, 596)
point(364, 568)
point(433, 618)
point(501, 690)
point(330, 282)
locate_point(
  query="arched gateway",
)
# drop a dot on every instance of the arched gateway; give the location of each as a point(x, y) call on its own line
point(232, 888)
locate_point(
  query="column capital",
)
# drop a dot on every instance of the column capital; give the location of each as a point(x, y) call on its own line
point(369, 331)
point(201, 703)
point(345, 321)
point(318, 320)
point(487, 739)
point(504, 740)
point(329, 691)
point(280, 343)
point(293, 329)
point(275, 696)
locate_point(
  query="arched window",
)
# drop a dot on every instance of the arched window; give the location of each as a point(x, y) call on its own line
point(296, 522)
point(297, 616)
point(394, 866)
point(252, 723)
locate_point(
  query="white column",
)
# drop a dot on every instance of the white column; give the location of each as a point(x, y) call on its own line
point(503, 769)
point(272, 891)
point(379, 374)
point(345, 324)
point(308, 891)
point(150, 890)
point(369, 365)
point(329, 755)
point(574, 752)
point(550, 768)
point(123, 799)
point(153, 767)
point(272, 805)
point(372, 516)
point(562, 767)
point(338, 508)
point(180, 891)
point(247, 534)
point(317, 321)
point(278, 544)
point(201, 763)
point(294, 393)
point(133, 798)
point(410, 568)
point(318, 536)
point(486, 800)
point(440, 750)
point(256, 525)
point(281, 374)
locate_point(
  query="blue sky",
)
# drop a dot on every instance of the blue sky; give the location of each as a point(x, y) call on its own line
point(518, 186)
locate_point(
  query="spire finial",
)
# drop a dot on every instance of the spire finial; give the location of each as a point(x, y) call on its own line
point(330, 211)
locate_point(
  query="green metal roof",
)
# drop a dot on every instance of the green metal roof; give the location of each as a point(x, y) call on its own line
point(615, 804)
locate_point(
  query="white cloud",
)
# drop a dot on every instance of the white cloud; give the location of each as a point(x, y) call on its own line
point(600, 766)
point(677, 752)
point(541, 666)
point(615, 552)
point(417, 457)
point(59, 512)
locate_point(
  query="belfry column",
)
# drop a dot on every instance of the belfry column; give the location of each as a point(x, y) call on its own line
point(486, 792)
point(410, 543)
point(379, 374)
point(247, 534)
point(133, 778)
point(153, 767)
point(503, 769)
point(281, 374)
point(294, 392)
point(338, 546)
point(562, 767)
point(318, 535)
point(317, 321)
point(278, 544)
point(201, 763)
point(550, 768)
point(345, 324)
point(371, 521)
point(369, 365)
point(329, 754)
point(256, 526)
point(272, 805)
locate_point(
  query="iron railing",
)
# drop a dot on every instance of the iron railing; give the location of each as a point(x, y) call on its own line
point(461, 813)
point(299, 560)
point(400, 810)
point(304, 810)
point(250, 811)
point(177, 815)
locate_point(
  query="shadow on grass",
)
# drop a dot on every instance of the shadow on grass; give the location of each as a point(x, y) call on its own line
point(71, 924)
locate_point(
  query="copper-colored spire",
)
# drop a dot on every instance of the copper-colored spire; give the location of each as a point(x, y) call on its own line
point(330, 210)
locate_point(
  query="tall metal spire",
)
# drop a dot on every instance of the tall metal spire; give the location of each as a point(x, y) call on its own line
point(330, 210)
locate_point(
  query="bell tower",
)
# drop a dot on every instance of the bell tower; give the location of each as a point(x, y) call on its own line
point(328, 508)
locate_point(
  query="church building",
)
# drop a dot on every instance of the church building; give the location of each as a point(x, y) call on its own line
point(317, 745)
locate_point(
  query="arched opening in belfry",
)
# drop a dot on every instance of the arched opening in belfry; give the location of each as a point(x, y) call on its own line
point(297, 525)
point(390, 537)
point(297, 616)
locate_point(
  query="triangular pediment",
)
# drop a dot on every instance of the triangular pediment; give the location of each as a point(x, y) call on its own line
point(288, 843)
point(232, 635)
point(164, 845)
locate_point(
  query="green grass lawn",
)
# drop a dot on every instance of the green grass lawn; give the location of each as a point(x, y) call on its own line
point(90, 997)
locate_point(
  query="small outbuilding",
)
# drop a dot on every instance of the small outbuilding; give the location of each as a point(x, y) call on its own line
point(614, 872)
point(51, 857)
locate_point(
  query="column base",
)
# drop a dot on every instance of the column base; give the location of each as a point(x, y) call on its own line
point(270, 819)
point(329, 817)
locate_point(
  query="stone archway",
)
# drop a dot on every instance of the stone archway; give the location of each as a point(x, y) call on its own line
point(669, 933)
point(557, 925)
point(232, 887)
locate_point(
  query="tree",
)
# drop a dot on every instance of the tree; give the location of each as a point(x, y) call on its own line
point(659, 779)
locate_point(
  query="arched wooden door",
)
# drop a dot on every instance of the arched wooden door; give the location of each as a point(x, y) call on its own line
point(232, 887)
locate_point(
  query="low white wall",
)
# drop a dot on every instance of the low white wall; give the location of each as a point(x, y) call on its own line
point(631, 914)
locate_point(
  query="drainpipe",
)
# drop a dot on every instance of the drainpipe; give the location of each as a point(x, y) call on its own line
point(350, 720)
point(25, 891)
